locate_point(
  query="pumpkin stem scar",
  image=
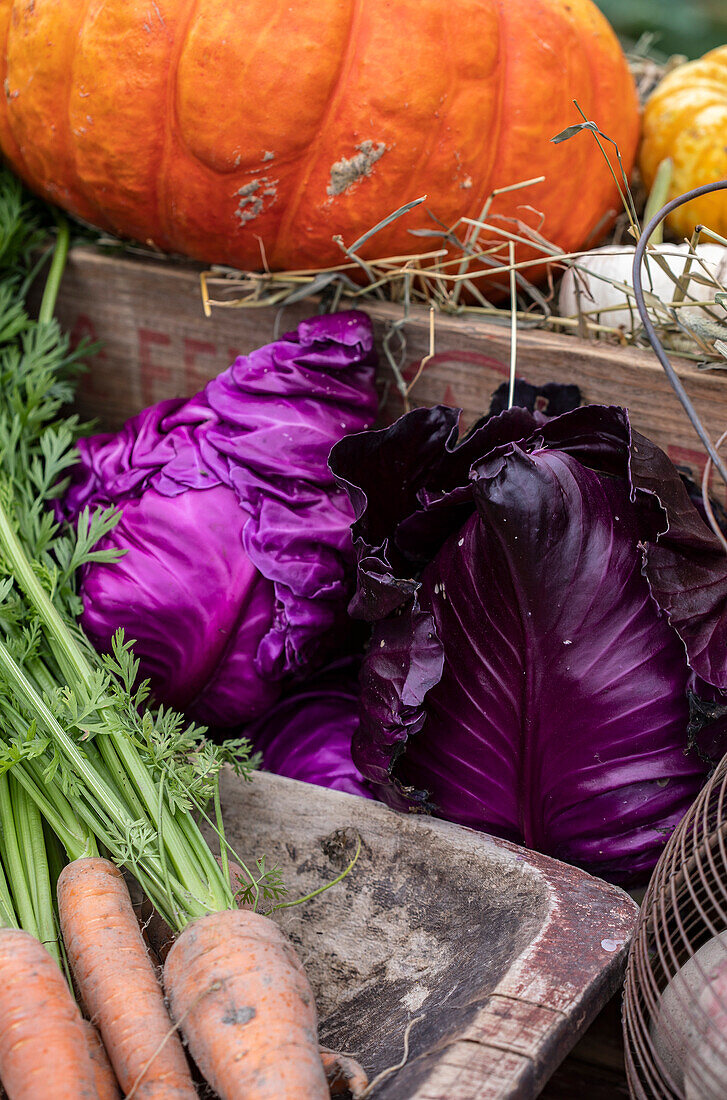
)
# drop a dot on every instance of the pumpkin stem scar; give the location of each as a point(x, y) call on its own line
point(349, 170)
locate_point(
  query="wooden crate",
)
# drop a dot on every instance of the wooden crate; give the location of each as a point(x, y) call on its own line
point(157, 343)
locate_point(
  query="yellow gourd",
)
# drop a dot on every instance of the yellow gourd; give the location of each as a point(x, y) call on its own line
point(685, 118)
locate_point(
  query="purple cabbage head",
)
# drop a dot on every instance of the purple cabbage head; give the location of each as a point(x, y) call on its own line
point(238, 561)
point(523, 678)
point(308, 734)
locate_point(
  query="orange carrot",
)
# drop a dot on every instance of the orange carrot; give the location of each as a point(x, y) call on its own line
point(43, 1051)
point(104, 1077)
point(117, 982)
point(345, 1076)
point(241, 997)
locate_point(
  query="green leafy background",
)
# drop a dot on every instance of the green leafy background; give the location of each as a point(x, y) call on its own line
point(688, 27)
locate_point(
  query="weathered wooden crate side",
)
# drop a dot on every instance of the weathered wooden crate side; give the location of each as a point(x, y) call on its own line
point(156, 343)
point(500, 956)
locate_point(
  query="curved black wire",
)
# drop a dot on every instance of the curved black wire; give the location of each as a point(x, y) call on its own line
point(705, 189)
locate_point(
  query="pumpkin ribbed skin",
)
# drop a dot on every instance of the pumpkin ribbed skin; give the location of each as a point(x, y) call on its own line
point(203, 125)
point(685, 118)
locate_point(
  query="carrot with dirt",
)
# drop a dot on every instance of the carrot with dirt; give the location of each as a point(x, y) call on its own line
point(43, 1049)
point(104, 1077)
point(235, 986)
point(117, 983)
point(242, 999)
point(344, 1074)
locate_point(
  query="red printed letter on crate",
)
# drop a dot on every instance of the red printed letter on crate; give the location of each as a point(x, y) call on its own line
point(92, 381)
point(195, 375)
point(152, 372)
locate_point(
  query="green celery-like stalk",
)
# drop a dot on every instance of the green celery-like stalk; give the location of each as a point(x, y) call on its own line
point(27, 890)
point(14, 861)
point(48, 798)
point(99, 806)
point(32, 843)
point(8, 918)
point(205, 883)
point(57, 267)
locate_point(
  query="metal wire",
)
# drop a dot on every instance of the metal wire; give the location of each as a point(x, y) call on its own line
point(697, 192)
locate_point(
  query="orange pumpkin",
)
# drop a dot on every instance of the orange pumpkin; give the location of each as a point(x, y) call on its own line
point(208, 126)
point(685, 118)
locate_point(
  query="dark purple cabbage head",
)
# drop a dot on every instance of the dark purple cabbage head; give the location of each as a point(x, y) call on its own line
point(522, 678)
point(238, 562)
point(308, 734)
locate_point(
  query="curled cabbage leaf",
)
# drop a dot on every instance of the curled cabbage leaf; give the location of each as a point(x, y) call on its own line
point(238, 560)
point(521, 678)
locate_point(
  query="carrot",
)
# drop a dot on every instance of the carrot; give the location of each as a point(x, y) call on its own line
point(117, 981)
point(345, 1076)
point(43, 1051)
point(104, 1077)
point(242, 1000)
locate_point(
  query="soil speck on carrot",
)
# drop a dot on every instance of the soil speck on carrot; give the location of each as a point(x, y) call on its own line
point(238, 1015)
